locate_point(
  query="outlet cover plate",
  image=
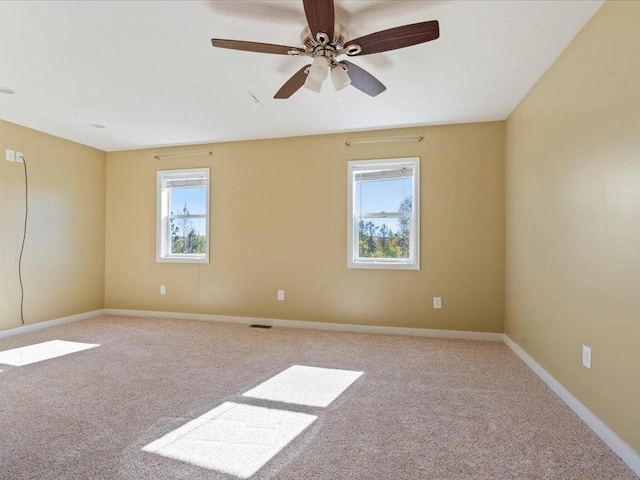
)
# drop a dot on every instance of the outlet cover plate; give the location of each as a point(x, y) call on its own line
point(586, 356)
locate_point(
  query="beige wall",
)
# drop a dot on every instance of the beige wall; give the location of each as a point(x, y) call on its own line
point(63, 263)
point(279, 221)
point(573, 218)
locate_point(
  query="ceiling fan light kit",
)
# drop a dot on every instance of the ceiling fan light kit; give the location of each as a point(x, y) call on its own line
point(340, 78)
point(312, 84)
point(319, 69)
point(325, 40)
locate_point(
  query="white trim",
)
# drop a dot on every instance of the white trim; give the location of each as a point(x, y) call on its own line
point(381, 264)
point(338, 327)
point(608, 436)
point(411, 263)
point(32, 327)
point(183, 259)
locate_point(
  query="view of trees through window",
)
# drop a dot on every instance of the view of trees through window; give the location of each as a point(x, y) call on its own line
point(185, 236)
point(377, 240)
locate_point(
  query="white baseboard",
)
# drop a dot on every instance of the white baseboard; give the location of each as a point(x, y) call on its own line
point(340, 327)
point(32, 327)
point(608, 436)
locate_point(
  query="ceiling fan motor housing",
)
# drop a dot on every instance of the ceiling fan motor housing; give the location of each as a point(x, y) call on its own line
point(340, 36)
point(322, 46)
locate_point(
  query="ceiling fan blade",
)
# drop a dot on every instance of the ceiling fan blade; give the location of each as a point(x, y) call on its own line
point(363, 80)
point(398, 37)
point(293, 84)
point(253, 46)
point(320, 16)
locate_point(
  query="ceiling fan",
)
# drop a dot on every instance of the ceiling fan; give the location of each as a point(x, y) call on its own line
point(325, 40)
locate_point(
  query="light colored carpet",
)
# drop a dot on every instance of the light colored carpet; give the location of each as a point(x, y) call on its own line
point(422, 409)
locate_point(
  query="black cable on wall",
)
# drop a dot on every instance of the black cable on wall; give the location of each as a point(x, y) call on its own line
point(24, 236)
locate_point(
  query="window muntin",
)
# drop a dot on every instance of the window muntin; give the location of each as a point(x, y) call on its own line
point(383, 218)
point(183, 219)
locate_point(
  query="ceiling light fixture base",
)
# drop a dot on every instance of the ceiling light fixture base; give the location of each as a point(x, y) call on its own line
point(340, 36)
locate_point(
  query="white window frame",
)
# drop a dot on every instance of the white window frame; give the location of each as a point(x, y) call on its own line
point(353, 260)
point(163, 228)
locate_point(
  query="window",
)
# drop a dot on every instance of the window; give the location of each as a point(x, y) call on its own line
point(183, 216)
point(384, 219)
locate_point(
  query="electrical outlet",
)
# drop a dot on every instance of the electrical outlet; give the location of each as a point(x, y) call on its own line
point(281, 295)
point(19, 157)
point(586, 356)
point(163, 290)
point(437, 302)
point(10, 155)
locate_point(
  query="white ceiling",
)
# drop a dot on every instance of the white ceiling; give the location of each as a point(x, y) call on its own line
point(148, 72)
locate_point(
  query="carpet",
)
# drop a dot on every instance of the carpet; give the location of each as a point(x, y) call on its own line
point(412, 408)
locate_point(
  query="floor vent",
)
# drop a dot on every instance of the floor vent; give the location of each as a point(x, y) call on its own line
point(260, 326)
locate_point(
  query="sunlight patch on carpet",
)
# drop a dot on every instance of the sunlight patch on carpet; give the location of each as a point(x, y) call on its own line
point(301, 385)
point(233, 438)
point(18, 357)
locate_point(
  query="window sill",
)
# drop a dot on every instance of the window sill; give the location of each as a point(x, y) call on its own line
point(182, 260)
point(384, 265)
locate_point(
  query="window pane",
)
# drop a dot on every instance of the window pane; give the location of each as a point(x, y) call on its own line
point(188, 235)
point(384, 196)
point(189, 201)
point(182, 233)
point(384, 237)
